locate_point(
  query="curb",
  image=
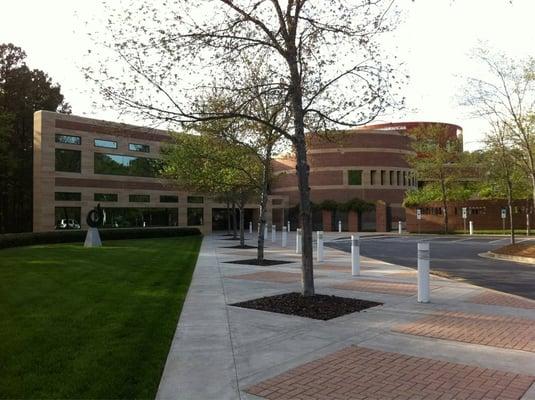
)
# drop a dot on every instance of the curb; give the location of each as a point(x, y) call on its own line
point(505, 257)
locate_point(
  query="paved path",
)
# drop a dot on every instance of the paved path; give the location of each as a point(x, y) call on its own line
point(469, 342)
point(455, 255)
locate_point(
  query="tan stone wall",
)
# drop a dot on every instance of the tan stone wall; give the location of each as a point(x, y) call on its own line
point(47, 181)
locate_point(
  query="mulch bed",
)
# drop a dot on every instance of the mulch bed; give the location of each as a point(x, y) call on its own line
point(519, 249)
point(253, 261)
point(319, 306)
point(240, 247)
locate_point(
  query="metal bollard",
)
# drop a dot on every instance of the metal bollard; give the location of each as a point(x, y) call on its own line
point(423, 272)
point(250, 227)
point(284, 236)
point(273, 233)
point(320, 246)
point(355, 255)
point(339, 226)
point(471, 227)
point(289, 229)
point(400, 228)
point(298, 244)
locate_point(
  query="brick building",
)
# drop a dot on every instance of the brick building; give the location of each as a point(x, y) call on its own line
point(366, 163)
point(79, 162)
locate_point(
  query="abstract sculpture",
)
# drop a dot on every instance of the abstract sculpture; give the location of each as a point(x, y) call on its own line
point(95, 219)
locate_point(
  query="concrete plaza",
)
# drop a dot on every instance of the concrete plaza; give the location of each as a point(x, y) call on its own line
point(467, 343)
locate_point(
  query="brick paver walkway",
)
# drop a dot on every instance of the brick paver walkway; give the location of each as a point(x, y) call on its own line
point(361, 373)
point(502, 299)
point(370, 285)
point(490, 330)
point(270, 276)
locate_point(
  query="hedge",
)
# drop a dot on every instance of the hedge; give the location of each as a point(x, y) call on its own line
point(69, 236)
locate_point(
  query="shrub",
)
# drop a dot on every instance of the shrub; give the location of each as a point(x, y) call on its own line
point(69, 236)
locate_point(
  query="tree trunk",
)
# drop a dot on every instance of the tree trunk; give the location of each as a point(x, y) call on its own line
point(228, 217)
point(234, 221)
point(263, 206)
point(510, 206)
point(242, 217)
point(445, 206)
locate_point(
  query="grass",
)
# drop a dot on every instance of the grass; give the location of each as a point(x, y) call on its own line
point(90, 323)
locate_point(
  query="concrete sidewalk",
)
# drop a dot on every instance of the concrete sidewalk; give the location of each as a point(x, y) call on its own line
point(468, 342)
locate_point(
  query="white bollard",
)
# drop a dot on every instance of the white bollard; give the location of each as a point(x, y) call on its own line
point(273, 233)
point(250, 226)
point(289, 229)
point(265, 232)
point(298, 245)
point(471, 227)
point(400, 228)
point(339, 226)
point(320, 246)
point(423, 272)
point(355, 255)
point(284, 236)
point(258, 229)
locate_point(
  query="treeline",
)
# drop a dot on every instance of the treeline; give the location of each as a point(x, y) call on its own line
point(22, 92)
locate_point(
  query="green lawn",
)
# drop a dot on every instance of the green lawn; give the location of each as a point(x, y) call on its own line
point(90, 323)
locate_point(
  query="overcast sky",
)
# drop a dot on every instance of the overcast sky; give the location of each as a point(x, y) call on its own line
point(434, 41)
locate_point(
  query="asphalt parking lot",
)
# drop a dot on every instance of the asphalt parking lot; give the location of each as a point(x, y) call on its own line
point(456, 256)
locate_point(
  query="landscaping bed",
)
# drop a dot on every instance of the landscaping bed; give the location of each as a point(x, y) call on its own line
point(254, 261)
point(518, 250)
point(319, 306)
point(91, 322)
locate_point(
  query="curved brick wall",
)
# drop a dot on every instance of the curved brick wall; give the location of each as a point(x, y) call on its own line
point(373, 148)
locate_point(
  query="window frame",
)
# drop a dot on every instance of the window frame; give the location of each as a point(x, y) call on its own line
point(147, 146)
point(105, 141)
point(57, 135)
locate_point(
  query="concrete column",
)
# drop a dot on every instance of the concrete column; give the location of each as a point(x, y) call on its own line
point(339, 226)
point(265, 232)
point(355, 255)
point(471, 227)
point(326, 219)
point(298, 243)
point(284, 236)
point(273, 233)
point(423, 272)
point(353, 221)
point(400, 228)
point(320, 246)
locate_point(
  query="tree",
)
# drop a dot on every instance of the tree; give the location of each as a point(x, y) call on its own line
point(22, 92)
point(438, 159)
point(503, 170)
point(325, 63)
point(506, 99)
point(204, 164)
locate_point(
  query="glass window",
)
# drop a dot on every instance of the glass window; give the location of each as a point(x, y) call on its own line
point(195, 199)
point(68, 217)
point(108, 144)
point(138, 198)
point(68, 196)
point(168, 199)
point(373, 177)
point(106, 197)
point(115, 164)
point(145, 148)
point(68, 139)
point(142, 217)
point(354, 177)
point(68, 160)
point(195, 216)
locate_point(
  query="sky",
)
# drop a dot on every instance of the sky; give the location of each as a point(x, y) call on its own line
point(433, 41)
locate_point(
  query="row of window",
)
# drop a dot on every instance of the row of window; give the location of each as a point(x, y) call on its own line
point(108, 164)
point(107, 144)
point(382, 177)
point(132, 198)
point(69, 217)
